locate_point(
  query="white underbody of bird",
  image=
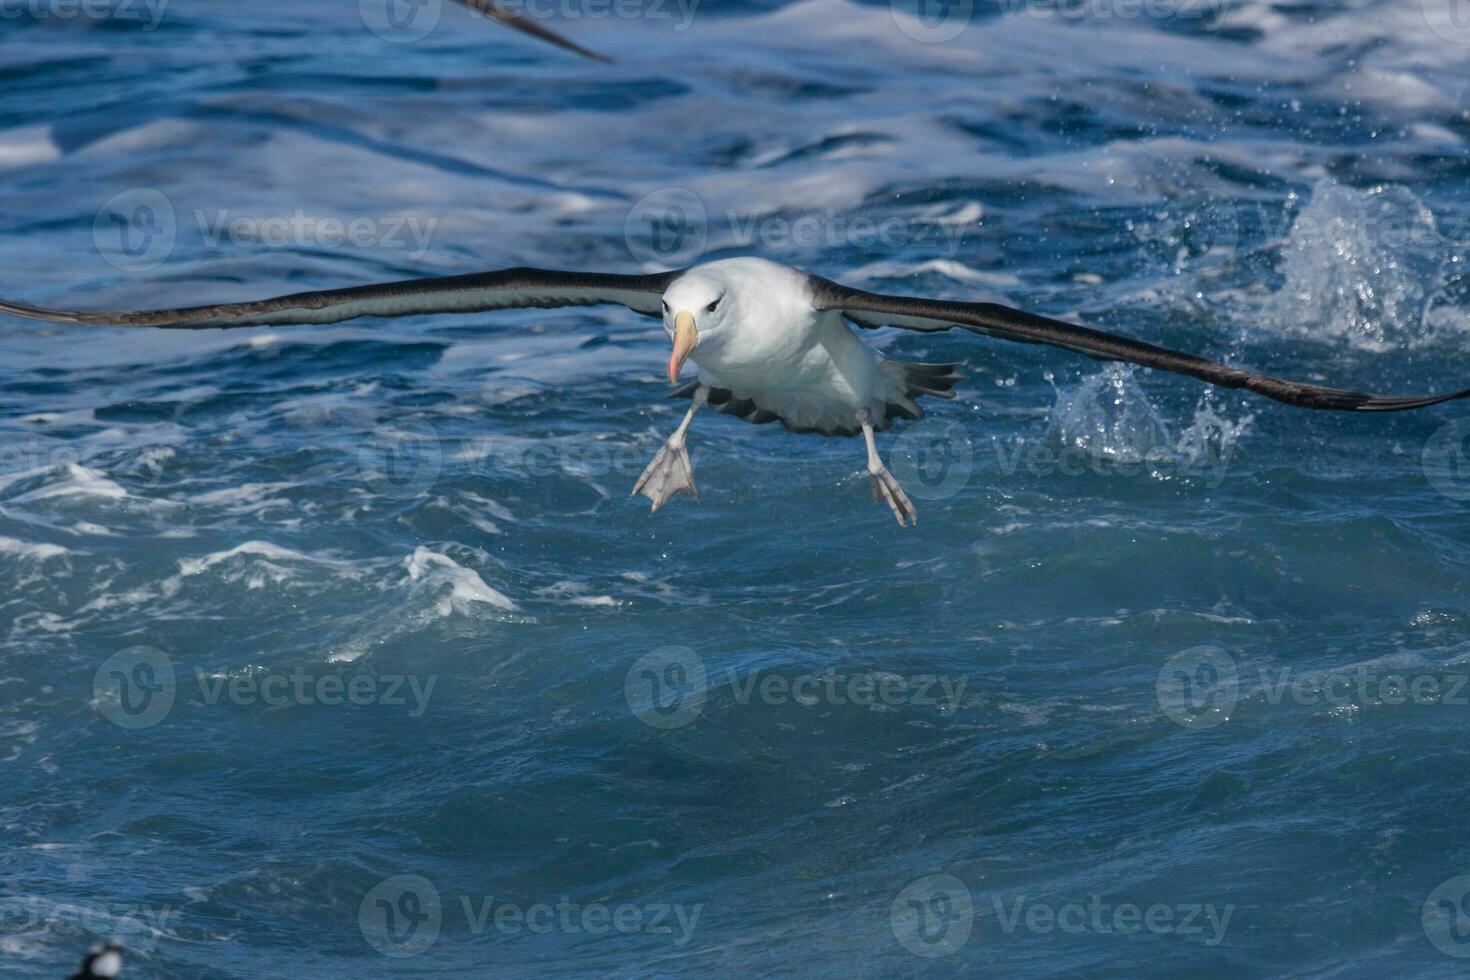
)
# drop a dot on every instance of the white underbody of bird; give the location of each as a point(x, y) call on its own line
point(768, 342)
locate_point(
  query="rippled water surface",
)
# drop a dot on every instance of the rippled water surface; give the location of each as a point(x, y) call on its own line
point(344, 652)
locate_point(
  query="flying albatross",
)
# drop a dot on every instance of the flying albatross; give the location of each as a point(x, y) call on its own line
point(771, 343)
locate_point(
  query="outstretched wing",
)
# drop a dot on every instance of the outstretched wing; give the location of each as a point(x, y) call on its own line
point(502, 290)
point(879, 310)
point(493, 10)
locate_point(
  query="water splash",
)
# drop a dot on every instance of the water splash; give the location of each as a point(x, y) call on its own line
point(1109, 418)
point(1212, 437)
point(1108, 415)
point(1361, 266)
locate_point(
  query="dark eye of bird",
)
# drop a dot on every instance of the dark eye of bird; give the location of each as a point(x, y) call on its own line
point(666, 306)
point(711, 308)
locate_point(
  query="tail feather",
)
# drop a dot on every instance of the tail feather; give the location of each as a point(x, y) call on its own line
point(935, 380)
point(918, 389)
point(917, 381)
point(917, 368)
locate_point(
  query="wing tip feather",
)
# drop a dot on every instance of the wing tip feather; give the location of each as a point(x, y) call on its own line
point(26, 312)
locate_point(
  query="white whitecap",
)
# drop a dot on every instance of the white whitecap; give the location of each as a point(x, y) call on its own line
point(25, 549)
point(464, 586)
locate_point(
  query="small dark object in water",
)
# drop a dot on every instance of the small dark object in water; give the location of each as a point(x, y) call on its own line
point(103, 963)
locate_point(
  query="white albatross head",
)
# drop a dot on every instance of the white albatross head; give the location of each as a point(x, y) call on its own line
point(707, 306)
point(697, 307)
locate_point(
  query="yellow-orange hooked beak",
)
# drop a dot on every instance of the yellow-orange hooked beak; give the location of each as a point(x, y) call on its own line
point(686, 335)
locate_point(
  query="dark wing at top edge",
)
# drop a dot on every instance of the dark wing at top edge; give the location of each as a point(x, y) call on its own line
point(878, 310)
point(501, 290)
point(523, 23)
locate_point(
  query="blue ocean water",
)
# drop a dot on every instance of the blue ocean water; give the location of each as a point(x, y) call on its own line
point(344, 652)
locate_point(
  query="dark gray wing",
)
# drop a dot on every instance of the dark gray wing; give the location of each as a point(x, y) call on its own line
point(502, 290)
point(878, 310)
point(493, 10)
